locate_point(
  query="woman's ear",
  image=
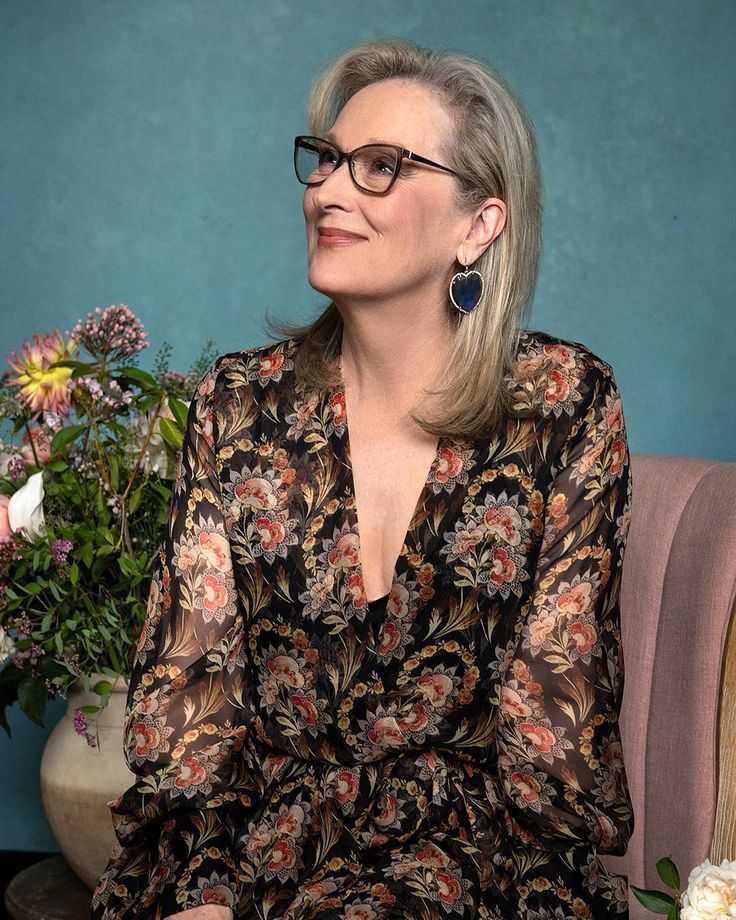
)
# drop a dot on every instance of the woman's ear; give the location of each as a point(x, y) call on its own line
point(487, 222)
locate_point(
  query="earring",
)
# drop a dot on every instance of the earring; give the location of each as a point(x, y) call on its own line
point(466, 290)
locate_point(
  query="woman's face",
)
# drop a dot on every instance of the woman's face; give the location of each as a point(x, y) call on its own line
point(408, 240)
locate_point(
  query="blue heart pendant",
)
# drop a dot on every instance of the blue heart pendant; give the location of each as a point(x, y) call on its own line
point(466, 290)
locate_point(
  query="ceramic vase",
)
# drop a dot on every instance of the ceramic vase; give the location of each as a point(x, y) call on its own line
point(79, 782)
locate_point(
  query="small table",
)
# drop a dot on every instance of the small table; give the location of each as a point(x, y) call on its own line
point(48, 890)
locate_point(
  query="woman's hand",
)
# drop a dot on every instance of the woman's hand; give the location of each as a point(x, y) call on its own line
point(206, 912)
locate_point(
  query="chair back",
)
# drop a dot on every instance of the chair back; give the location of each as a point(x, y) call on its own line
point(677, 597)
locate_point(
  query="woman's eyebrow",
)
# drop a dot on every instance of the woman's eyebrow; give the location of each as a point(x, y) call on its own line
point(371, 140)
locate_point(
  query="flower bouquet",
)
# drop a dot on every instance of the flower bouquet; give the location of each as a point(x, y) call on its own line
point(84, 498)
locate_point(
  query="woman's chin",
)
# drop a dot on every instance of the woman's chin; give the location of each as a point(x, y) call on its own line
point(331, 285)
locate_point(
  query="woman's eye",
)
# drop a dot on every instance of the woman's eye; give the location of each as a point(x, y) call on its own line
point(327, 157)
point(382, 165)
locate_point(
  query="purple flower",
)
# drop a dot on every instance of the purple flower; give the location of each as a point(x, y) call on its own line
point(9, 550)
point(60, 549)
point(80, 722)
point(16, 468)
point(80, 727)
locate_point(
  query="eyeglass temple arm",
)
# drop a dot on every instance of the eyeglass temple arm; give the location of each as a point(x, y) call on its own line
point(415, 156)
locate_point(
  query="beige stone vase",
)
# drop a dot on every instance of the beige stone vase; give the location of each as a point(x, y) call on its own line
point(78, 781)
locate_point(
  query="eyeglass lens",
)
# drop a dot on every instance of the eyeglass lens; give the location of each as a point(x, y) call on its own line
point(373, 166)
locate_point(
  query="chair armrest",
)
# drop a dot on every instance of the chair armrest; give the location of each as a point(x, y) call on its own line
point(724, 833)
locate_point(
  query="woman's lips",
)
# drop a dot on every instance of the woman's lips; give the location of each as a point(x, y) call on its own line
point(330, 237)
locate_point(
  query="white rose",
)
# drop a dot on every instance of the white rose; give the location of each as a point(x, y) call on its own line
point(711, 892)
point(25, 508)
point(7, 646)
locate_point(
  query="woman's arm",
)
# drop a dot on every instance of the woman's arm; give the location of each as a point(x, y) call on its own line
point(559, 745)
point(185, 720)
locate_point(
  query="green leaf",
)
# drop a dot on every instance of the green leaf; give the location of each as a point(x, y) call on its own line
point(179, 410)
point(32, 698)
point(667, 871)
point(674, 913)
point(86, 554)
point(149, 403)
point(170, 432)
point(102, 686)
point(139, 376)
point(135, 500)
point(89, 710)
point(66, 436)
point(114, 472)
point(51, 668)
point(74, 573)
point(656, 901)
point(77, 365)
point(162, 490)
point(57, 466)
point(127, 565)
point(104, 632)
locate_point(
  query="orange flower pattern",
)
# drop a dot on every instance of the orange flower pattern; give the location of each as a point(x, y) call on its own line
point(453, 753)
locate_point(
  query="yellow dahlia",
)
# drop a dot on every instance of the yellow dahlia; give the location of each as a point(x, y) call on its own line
point(44, 388)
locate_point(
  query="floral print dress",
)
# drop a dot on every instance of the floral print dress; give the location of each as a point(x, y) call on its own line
point(452, 751)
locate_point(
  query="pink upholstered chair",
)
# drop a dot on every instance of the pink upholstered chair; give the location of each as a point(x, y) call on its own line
point(678, 720)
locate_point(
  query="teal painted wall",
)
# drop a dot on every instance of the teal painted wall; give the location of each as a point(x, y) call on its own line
point(145, 158)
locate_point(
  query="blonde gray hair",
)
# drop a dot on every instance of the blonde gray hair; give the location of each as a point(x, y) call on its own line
point(494, 150)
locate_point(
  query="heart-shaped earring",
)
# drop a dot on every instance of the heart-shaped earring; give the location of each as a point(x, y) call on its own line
point(466, 290)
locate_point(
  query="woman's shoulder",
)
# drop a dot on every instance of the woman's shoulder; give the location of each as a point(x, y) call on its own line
point(260, 363)
point(556, 376)
point(552, 350)
point(257, 367)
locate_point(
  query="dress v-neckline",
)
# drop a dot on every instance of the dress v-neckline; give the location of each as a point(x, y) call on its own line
point(350, 478)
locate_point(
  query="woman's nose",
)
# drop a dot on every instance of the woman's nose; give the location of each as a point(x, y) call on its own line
point(335, 186)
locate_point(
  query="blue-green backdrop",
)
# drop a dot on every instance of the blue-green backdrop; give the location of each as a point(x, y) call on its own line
point(145, 158)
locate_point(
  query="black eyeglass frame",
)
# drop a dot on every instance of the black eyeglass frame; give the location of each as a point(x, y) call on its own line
point(342, 156)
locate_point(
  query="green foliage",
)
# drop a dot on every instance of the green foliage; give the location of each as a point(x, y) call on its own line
point(659, 902)
point(667, 871)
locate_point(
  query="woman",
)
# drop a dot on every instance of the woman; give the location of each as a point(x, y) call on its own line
point(381, 670)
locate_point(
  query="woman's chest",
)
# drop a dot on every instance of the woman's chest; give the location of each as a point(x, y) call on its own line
point(463, 566)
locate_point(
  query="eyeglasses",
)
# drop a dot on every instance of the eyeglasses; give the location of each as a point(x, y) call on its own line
point(373, 167)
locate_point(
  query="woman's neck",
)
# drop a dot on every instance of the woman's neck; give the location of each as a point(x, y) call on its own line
point(387, 361)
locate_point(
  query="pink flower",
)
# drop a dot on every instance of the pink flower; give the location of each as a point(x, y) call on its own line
point(44, 388)
point(113, 333)
point(41, 445)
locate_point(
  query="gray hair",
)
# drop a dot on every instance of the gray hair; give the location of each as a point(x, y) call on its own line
point(494, 150)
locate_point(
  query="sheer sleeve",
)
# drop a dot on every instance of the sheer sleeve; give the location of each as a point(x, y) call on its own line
point(185, 721)
point(558, 740)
